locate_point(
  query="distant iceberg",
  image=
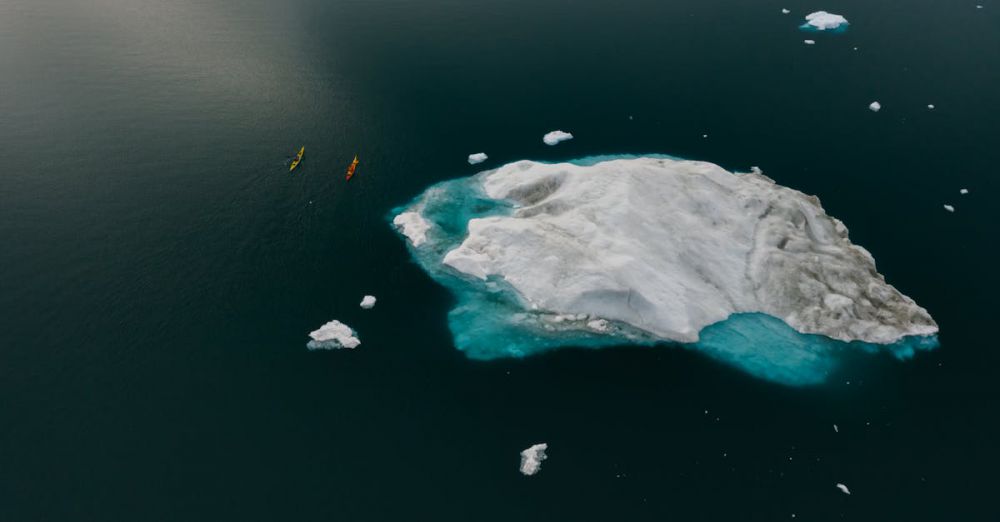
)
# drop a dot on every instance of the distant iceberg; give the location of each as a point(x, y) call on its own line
point(368, 302)
point(531, 459)
point(332, 336)
point(556, 136)
point(478, 157)
point(824, 21)
point(609, 251)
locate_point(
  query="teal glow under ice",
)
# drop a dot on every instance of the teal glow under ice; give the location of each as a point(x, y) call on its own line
point(492, 320)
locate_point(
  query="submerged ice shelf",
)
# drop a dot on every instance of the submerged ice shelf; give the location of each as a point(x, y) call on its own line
point(613, 250)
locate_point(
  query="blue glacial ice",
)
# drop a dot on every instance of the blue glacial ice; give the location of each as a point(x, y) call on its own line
point(624, 250)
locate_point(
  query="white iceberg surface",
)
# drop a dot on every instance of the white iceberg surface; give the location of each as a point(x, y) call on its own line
point(368, 302)
point(614, 250)
point(478, 157)
point(531, 458)
point(875, 106)
point(556, 137)
point(949, 208)
point(670, 247)
point(809, 42)
point(843, 489)
point(824, 21)
point(963, 191)
point(785, 11)
point(333, 335)
point(413, 226)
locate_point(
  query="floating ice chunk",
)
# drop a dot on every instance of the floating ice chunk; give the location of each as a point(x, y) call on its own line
point(785, 11)
point(930, 106)
point(556, 136)
point(333, 335)
point(368, 302)
point(843, 488)
point(694, 245)
point(963, 191)
point(949, 208)
point(824, 21)
point(531, 458)
point(413, 226)
point(735, 264)
point(478, 157)
point(809, 42)
point(875, 106)
point(835, 429)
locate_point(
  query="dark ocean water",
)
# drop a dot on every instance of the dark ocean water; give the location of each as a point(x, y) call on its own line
point(160, 269)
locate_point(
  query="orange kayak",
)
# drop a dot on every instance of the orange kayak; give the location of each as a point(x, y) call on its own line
point(351, 167)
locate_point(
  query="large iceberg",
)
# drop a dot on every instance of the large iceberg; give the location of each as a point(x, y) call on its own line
point(640, 250)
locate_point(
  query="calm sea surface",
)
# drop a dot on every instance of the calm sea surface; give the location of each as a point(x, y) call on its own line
point(160, 269)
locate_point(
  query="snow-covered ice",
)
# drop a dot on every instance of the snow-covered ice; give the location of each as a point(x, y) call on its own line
point(785, 11)
point(824, 21)
point(843, 488)
point(930, 106)
point(531, 458)
point(693, 245)
point(963, 191)
point(809, 42)
point(949, 208)
point(612, 250)
point(875, 106)
point(556, 136)
point(333, 335)
point(478, 157)
point(413, 226)
point(368, 302)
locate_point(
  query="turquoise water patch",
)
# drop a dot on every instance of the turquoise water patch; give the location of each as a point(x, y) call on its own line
point(491, 321)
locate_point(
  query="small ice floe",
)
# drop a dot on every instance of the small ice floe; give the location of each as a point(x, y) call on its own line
point(930, 106)
point(756, 170)
point(785, 11)
point(332, 336)
point(963, 191)
point(949, 208)
point(704, 135)
point(875, 106)
point(556, 137)
point(843, 488)
point(531, 458)
point(368, 302)
point(824, 21)
point(835, 429)
point(809, 42)
point(413, 226)
point(478, 157)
